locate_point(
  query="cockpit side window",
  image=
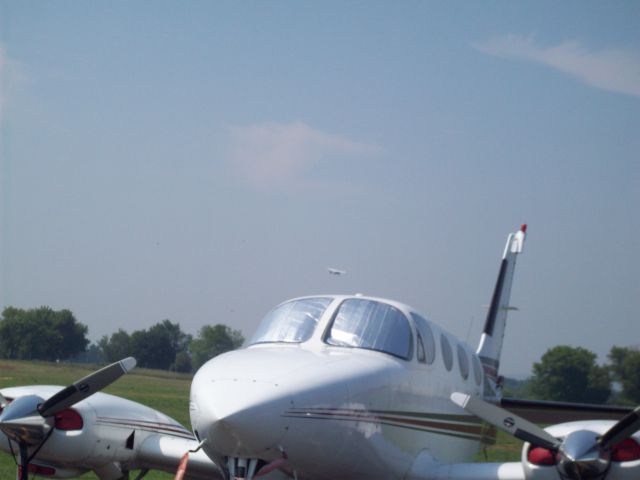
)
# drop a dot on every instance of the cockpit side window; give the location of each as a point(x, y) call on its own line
point(424, 332)
point(371, 325)
point(291, 322)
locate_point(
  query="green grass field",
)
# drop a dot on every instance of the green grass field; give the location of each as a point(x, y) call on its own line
point(164, 391)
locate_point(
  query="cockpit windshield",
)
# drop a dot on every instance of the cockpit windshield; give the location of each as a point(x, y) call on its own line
point(371, 325)
point(291, 322)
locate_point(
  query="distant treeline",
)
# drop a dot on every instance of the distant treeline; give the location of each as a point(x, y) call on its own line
point(45, 334)
point(571, 374)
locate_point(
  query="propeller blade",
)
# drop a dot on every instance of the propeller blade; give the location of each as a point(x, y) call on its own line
point(507, 421)
point(86, 387)
point(626, 427)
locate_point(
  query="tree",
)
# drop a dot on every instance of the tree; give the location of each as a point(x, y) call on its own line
point(71, 336)
point(156, 347)
point(22, 336)
point(116, 347)
point(182, 362)
point(625, 369)
point(515, 388)
point(179, 343)
point(41, 334)
point(93, 355)
point(570, 374)
point(212, 341)
point(153, 348)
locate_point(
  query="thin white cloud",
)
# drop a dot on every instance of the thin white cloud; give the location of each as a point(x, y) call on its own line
point(3, 74)
point(271, 155)
point(615, 70)
point(11, 75)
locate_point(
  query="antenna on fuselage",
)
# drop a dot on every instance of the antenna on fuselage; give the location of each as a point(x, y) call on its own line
point(471, 322)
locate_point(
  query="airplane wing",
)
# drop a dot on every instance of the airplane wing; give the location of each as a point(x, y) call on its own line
point(546, 412)
point(162, 452)
point(480, 471)
point(426, 467)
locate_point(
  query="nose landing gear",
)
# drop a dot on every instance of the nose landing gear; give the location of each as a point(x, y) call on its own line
point(250, 468)
point(242, 468)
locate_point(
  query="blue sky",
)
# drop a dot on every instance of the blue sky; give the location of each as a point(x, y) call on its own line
point(203, 161)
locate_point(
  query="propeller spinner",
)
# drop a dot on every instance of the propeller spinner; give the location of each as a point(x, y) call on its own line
point(28, 420)
point(582, 454)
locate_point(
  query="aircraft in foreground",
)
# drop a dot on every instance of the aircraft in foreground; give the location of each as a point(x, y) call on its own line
point(64, 433)
point(349, 387)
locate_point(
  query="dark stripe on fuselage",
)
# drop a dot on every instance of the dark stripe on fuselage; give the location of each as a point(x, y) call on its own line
point(434, 416)
point(469, 428)
point(167, 429)
point(495, 300)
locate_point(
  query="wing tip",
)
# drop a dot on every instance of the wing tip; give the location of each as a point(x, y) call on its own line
point(459, 399)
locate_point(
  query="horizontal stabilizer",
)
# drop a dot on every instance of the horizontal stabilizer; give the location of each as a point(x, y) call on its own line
point(539, 411)
point(473, 471)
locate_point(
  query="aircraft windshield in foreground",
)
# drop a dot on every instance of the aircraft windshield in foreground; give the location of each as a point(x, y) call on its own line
point(338, 387)
point(60, 432)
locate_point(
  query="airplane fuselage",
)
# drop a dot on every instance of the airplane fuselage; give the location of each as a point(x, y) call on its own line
point(335, 406)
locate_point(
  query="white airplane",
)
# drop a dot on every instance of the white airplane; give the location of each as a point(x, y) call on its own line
point(336, 272)
point(64, 433)
point(339, 387)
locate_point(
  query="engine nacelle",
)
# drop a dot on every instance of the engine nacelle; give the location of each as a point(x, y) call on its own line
point(541, 464)
point(42, 470)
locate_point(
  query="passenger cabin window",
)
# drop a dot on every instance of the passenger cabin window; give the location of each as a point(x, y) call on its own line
point(420, 349)
point(463, 362)
point(477, 370)
point(426, 335)
point(291, 322)
point(447, 353)
point(373, 326)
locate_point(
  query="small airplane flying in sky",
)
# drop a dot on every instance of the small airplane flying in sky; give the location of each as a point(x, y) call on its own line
point(64, 433)
point(344, 387)
point(335, 271)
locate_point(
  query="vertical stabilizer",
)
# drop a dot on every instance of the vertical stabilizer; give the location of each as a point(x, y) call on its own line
point(491, 340)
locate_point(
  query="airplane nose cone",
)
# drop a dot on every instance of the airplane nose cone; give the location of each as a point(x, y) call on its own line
point(239, 417)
